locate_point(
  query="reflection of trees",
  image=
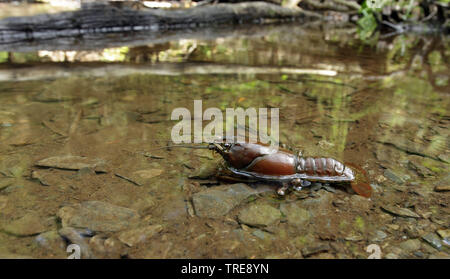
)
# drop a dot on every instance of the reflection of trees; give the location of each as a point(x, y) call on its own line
point(416, 103)
point(144, 54)
point(412, 54)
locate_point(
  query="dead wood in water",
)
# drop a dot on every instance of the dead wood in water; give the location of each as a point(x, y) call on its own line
point(97, 41)
point(101, 18)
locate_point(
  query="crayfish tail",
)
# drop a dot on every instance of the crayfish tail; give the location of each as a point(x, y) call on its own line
point(362, 189)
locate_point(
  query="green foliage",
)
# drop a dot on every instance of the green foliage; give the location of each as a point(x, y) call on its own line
point(3, 56)
point(367, 23)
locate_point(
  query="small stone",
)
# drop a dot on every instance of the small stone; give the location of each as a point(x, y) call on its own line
point(50, 241)
point(97, 244)
point(311, 250)
point(338, 203)
point(359, 202)
point(113, 247)
point(13, 256)
point(444, 233)
point(263, 235)
point(70, 162)
point(245, 228)
point(29, 224)
point(400, 188)
point(410, 245)
point(147, 174)
point(433, 240)
point(419, 254)
point(442, 188)
point(190, 209)
point(135, 236)
point(354, 237)
point(393, 227)
point(323, 256)
point(379, 236)
point(424, 214)
point(393, 177)
point(440, 255)
point(259, 215)
point(231, 222)
point(3, 202)
point(412, 231)
point(218, 201)
point(41, 177)
point(50, 96)
point(295, 215)
point(206, 171)
point(73, 236)
point(416, 163)
point(391, 256)
point(97, 216)
point(402, 212)
point(380, 178)
point(440, 220)
point(329, 188)
point(203, 153)
point(444, 158)
point(85, 171)
point(5, 182)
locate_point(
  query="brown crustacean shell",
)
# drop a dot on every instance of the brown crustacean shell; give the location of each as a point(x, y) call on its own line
point(261, 161)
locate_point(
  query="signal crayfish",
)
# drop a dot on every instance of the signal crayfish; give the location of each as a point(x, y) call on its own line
point(261, 162)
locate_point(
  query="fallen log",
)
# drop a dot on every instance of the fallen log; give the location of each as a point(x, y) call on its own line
point(96, 41)
point(102, 18)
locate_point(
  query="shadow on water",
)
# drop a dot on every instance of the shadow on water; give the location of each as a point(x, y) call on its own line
point(383, 107)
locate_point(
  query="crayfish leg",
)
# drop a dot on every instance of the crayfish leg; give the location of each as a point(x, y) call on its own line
point(362, 189)
point(282, 190)
point(306, 183)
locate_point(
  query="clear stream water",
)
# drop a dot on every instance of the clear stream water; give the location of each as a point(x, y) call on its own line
point(386, 110)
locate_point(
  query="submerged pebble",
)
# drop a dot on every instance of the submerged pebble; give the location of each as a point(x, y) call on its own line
point(71, 162)
point(50, 241)
point(259, 215)
point(29, 224)
point(402, 212)
point(295, 215)
point(433, 240)
point(3, 202)
point(393, 176)
point(410, 245)
point(74, 237)
point(5, 182)
point(442, 188)
point(97, 216)
point(379, 236)
point(218, 201)
point(135, 236)
point(263, 235)
point(311, 250)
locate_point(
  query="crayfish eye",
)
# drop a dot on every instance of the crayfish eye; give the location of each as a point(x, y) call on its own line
point(227, 145)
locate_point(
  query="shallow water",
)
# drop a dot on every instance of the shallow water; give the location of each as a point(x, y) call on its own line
point(385, 110)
